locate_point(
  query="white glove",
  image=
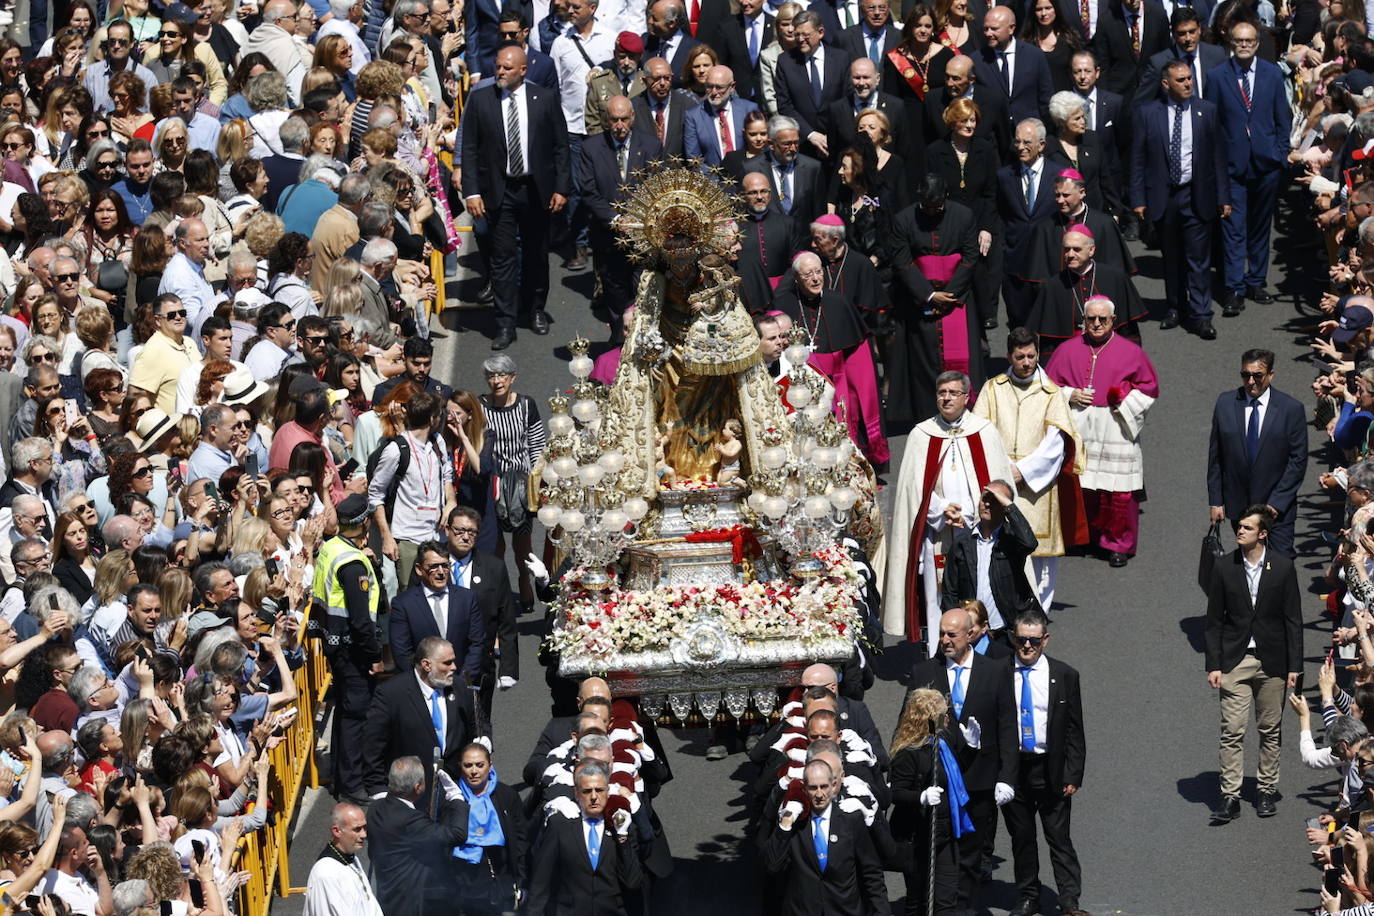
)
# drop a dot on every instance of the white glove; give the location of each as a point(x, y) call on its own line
point(973, 733)
point(1003, 793)
point(485, 742)
point(505, 682)
point(789, 812)
point(621, 820)
point(451, 790)
point(537, 568)
point(931, 797)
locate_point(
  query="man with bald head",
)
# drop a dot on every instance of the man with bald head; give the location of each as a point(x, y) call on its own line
point(516, 173)
point(906, 125)
point(661, 110)
point(669, 36)
point(610, 160)
point(1017, 69)
point(273, 39)
point(716, 127)
point(184, 276)
point(768, 238)
point(337, 882)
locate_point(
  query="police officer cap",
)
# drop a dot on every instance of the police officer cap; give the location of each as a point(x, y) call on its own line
point(352, 510)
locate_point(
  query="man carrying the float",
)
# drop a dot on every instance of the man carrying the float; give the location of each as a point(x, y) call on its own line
point(1111, 385)
point(949, 458)
point(1032, 416)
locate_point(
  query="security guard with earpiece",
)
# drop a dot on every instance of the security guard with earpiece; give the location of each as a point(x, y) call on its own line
point(345, 600)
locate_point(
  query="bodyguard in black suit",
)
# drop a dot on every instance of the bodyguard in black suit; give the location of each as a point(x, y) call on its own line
point(415, 614)
point(738, 40)
point(1017, 68)
point(564, 881)
point(976, 687)
point(485, 576)
point(809, 78)
point(1013, 542)
point(401, 719)
point(1130, 34)
point(410, 852)
point(610, 160)
point(1183, 195)
point(515, 173)
point(1254, 651)
point(840, 116)
point(825, 856)
point(1257, 452)
point(660, 109)
point(1052, 754)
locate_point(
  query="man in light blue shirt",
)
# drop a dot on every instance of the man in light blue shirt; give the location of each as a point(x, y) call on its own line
point(212, 456)
point(119, 43)
point(185, 274)
point(202, 129)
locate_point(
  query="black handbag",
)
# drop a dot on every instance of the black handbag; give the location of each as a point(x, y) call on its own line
point(113, 276)
point(1212, 550)
point(512, 506)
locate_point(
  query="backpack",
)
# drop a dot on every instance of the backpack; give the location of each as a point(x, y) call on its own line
point(402, 465)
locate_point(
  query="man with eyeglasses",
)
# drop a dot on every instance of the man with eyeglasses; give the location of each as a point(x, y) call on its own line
point(273, 39)
point(662, 110)
point(118, 48)
point(412, 17)
point(1257, 452)
point(435, 607)
point(184, 276)
point(30, 518)
point(1025, 198)
point(67, 277)
point(716, 127)
point(1111, 386)
point(41, 382)
point(486, 576)
point(30, 556)
point(136, 186)
point(31, 475)
point(167, 353)
point(795, 178)
point(1052, 753)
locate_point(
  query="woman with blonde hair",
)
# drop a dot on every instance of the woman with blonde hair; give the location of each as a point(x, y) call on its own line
point(343, 300)
point(343, 272)
point(253, 535)
point(171, 144)
point(235, 142)
point(96, 331)
point(928, 792)
point(175, 586)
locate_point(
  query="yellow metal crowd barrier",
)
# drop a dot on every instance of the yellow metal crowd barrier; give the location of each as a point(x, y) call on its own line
point(264, 853)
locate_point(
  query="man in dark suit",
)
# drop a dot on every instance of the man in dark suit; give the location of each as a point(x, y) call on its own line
point(486, 577)
point(994, 124)
point(610, 160)
point(1187, 45)
point(1128, 35)
point(840, 115)
point(976, 687)
point(417, 611)
point(1019, 69)
point(1255, 120)
point(1258, 450)
point(539, 67)
point(515, 173)
point(874, 36)
point(1183, 195)
point(824, 855)
point(668, 36)
point(410, 712)
point(661, 110)
point(738, 39)
point(1025, 198)
point(796, 180)
point(1106, 109)
point(484, 18)
point(1254, 651)
point(716, 126)
point(411, 857)
point(1052, 755)
point(585, 865)
point(1003, 533)
point(809, 78)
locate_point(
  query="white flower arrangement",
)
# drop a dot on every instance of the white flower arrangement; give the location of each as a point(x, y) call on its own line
point(602, 624)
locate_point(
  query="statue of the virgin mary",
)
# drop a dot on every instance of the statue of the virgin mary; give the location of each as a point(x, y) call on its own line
point(691, 361)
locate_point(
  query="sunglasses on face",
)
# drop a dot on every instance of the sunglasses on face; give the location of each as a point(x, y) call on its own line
point(98, 132)
point(54, 411)
point(111, 164)
point(174, 315)
point(43, 358)
point(1033, 641)
point(172, 34)
point(83, 507)
point(142, 472)
point(66, 278)
point(12, 146)
point(119, 42)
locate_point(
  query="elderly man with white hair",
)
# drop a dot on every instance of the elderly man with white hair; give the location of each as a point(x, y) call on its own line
point(273, 39)
point(1111, 385)
point(184, 276)
point(29, 519)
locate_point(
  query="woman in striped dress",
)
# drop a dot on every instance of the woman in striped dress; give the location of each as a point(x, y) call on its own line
point(517, 433)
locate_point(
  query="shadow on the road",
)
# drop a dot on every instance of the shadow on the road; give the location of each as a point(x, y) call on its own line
point(1201, 789)
point(895, 661)
point(1194, 628)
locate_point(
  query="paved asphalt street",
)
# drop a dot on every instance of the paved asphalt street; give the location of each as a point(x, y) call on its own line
point(1141, 821)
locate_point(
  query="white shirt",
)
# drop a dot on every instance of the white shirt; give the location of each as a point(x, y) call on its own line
point(336, 889)
point(78, 893)
point(572, 69)
point(983, 583)
point(967, 665)
point(187, 385)
point(186, 279)
point(1252, 581)
point(517, 98)
point(266, 359)
point(1186, 150)
point(1040, 700)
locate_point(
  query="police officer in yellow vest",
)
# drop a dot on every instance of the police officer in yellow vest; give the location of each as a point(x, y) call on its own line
point(346, 598)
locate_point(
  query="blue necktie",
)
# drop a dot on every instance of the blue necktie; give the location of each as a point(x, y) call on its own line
point(1252, 430)
point(815, 83)
point(436, 716)
point(875, 49)
point(1176, 147)
point(956, 693)
point(819, 839)
point(786, 190)
point(594, 841)
point(1027, 712)
point(753, 44)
